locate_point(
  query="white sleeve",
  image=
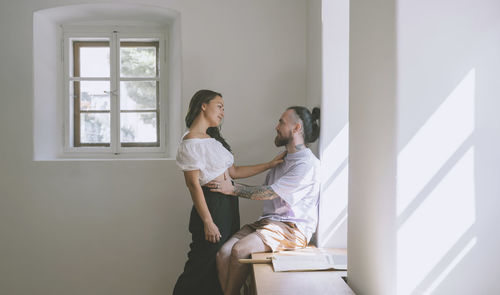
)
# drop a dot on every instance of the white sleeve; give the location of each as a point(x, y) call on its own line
point(189, 158)
point(295, 184)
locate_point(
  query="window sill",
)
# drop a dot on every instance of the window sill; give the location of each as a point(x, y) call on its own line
point(113, 157)
point(103, 159)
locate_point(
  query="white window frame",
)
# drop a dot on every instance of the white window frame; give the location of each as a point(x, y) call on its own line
point(114, 34)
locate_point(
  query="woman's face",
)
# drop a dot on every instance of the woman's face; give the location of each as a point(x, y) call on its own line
point(214, 111)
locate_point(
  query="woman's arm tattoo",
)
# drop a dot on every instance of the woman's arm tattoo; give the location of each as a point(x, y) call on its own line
point(255, 192)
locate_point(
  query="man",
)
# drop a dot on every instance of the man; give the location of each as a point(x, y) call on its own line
point(290, 195)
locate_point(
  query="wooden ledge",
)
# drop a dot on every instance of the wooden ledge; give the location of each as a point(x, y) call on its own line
point(266, 281)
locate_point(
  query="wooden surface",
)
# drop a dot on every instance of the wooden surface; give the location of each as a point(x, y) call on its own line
point(266, 281)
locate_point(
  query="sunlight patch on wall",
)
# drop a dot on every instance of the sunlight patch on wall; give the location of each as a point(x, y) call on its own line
point(334, 175)
point(337, 207)
point(451, 266)
point(335, 154)
point(435, 142)
point(436, 225)
point(436, 189)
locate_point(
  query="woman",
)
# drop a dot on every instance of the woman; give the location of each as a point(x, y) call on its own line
point(204, 156)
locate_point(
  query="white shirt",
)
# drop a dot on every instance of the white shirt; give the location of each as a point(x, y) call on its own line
point(205, 154)
point(297, 183)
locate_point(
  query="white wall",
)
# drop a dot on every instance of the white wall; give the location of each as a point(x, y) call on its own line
point(448, 146)
point(372, 137)
point(424, 160)
point(333, 146)
point(120, 227)
point(314, 61)
point(328, 88)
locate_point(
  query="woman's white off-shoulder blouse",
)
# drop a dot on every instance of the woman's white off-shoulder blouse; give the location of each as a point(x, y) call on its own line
point(205, 154)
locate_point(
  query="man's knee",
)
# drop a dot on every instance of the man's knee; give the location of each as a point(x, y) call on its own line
point(242, 250)
point(225, 251)
point(223, 254)
point(238, 252)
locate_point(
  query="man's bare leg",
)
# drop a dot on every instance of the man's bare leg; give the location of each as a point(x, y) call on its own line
point(238, 272)
point(222, 259)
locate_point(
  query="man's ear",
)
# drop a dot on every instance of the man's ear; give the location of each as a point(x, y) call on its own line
point(297, 128)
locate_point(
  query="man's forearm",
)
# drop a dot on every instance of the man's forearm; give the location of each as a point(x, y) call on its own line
point(255, 192)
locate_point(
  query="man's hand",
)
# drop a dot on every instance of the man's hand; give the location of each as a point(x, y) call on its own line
point(277, 160)
point(225, 187)
point(212, 233)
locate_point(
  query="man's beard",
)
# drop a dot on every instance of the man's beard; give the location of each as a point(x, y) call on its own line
point(281, 141)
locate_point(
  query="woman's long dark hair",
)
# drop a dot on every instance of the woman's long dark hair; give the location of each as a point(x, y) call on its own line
point(310, 122)
point(198, 99)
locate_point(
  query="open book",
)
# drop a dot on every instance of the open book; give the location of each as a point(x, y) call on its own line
point(309, 261)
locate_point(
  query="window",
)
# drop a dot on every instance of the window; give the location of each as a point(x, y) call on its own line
point(115, 91)
point(105, 29)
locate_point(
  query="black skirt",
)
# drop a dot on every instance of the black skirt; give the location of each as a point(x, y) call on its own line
point(200, 272)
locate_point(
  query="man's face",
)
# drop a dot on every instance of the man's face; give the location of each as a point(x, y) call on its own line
point(284, 129)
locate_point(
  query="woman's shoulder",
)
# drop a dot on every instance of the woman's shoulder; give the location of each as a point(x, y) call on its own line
point(195, 140)
point(196, 144)
point(195, 135)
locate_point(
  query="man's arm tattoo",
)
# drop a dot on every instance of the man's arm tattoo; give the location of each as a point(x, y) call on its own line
point(255, 192)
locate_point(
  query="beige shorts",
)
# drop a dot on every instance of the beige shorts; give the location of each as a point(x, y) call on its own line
point(276, 234)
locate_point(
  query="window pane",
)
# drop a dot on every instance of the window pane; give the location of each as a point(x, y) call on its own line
point(94, 62)
point(94, 95)
point(138, 95)
point(138, 61)
point(94, 127)
point(138, 127)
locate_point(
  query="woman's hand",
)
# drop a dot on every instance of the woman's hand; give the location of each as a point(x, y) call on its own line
point(277, 160)
point(212, 233)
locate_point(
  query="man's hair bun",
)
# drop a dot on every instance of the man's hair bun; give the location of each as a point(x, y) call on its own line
point(310, 122)
point(315, 114)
